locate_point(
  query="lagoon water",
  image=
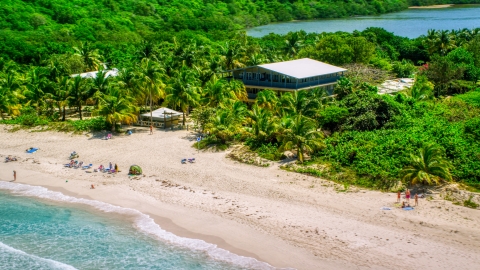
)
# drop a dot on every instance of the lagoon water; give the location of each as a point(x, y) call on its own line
point(410, 23)
point(68, 233)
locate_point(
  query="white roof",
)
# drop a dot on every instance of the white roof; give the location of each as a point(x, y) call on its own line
point(159, 114)
point(93, 74)
point(302, 68)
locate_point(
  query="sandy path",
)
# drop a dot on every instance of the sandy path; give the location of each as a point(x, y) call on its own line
point(302, 221)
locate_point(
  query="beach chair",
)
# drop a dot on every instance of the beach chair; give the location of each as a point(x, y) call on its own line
point(184, 161)
point(191, 160)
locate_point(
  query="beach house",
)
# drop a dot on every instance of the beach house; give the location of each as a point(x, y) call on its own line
point(288, 76)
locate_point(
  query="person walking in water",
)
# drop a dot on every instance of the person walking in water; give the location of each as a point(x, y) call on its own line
point(14, 175)
point(407, 195)
point(151, 130)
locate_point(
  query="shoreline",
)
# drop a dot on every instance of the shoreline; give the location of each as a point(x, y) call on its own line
point(432, 6)
point(278, 217)
point(166, 224)
point(194, 226)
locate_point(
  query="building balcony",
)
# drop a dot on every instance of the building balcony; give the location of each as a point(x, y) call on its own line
point(287, 85)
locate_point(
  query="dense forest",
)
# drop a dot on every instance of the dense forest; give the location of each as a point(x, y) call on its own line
point(168, 53)
point(32, 29)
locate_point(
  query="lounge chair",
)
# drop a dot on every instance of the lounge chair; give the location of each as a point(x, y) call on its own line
point(184, 161)
point(87, 167)
point(191, 160)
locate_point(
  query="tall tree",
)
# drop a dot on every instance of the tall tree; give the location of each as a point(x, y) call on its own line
point(9, 96)
point(36, 86)
point(116, 107)
point(300, 133)
point(78, 93)
point(90, 56)
point(149, 77)
point(182, 91)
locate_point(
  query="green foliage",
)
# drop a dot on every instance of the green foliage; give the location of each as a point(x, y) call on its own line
point(403, 69)
point(427, 166)
point(469, 203)
point(380, 154)
point(368, 111)
point(92, 124)
point(331, 117)
point(269, 151)
point(28, 117)
point(471, 98)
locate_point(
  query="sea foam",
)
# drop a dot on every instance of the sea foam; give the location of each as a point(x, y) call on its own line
point(37, 261)
point(143, 222)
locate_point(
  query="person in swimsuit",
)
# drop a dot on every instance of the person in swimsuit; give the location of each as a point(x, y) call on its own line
point(14, 175)
point(407, 195)
point(399, 194)
point(416, 199)
point(151, 129)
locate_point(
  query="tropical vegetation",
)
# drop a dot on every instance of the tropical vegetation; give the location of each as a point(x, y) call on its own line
point(173, 53)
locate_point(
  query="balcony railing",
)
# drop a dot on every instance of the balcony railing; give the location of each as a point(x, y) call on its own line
point(288, 85)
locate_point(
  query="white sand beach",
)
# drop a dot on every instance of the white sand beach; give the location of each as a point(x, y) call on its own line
point(282, 218)
point(432, 6)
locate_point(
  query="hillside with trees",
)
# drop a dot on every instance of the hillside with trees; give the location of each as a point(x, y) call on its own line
point(170, 52)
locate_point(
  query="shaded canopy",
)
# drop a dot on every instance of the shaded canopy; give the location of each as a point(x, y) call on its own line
point(163, 114)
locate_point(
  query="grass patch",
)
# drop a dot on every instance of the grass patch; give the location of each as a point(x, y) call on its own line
point(470, 204)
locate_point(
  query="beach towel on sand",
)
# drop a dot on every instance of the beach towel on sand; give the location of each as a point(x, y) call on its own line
point(407, 208)
point(32, 150)
point(385, 208)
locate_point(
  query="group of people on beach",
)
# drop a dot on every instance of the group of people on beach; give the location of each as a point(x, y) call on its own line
point(407, 197)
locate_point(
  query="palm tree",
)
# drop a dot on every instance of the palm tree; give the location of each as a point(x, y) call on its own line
point(299, 132)
point(223, 125)
point(445, 42)
point(299, 102)
point(100, 85)
point(182, 92)
point(343, 88)
point(116, 108)
point(267, 99)
point(238, 89)
point(217, 92)
point(293, 43)
point(422, 89)
point(428, 166)
point(90, 56)
point(62, 93)
point(149, 77)
point(9, 97)
point(430, 41)
point(231, 53)
point(36, 84)
point(79, 92)
point(263, 124)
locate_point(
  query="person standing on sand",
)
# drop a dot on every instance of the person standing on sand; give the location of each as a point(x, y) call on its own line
point(116, 168)
point(399, 194)
point(14, 175)
point(407, 195)
point(416, 199)
point(151, 130)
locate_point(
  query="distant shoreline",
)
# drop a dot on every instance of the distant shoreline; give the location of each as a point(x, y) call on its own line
point(432, 6)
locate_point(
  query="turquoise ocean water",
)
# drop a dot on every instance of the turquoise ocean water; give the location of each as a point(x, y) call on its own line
point(41, 229)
